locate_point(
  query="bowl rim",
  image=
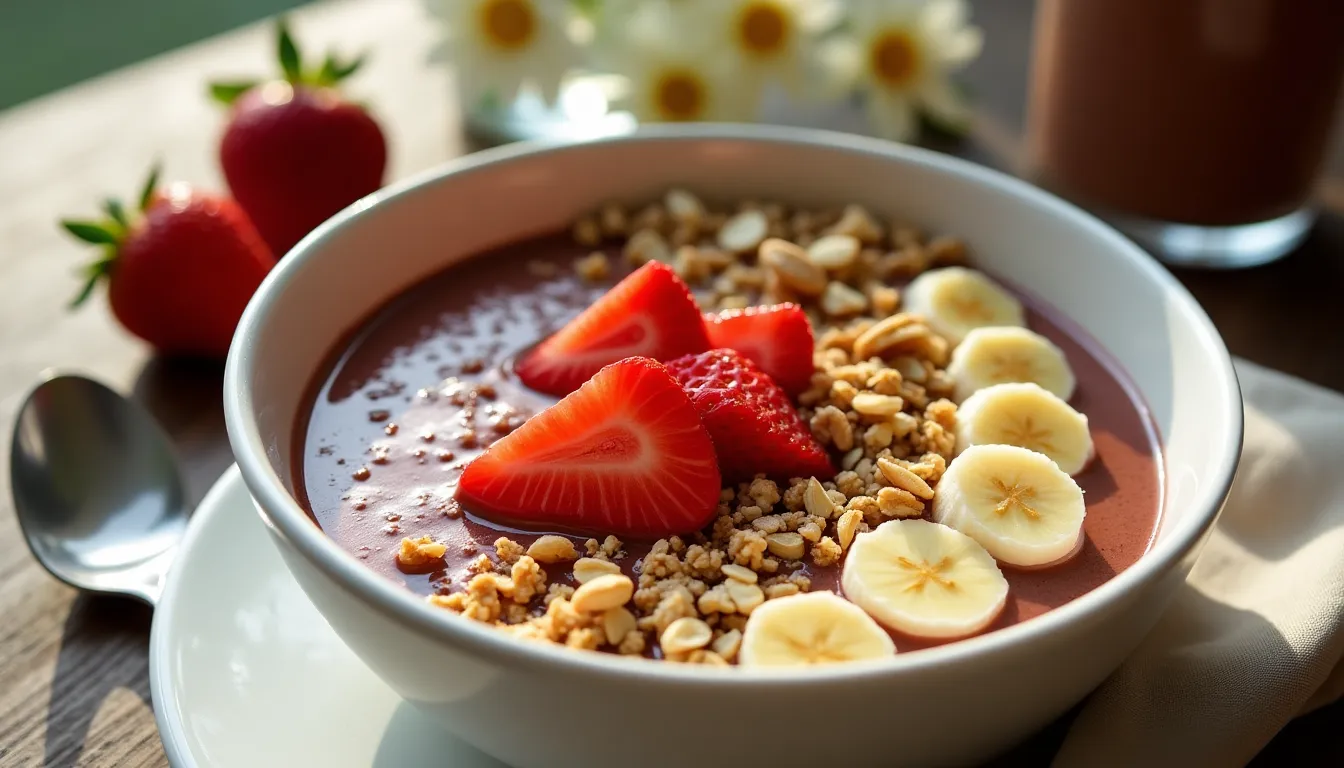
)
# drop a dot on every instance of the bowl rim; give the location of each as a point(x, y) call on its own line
point(285, 518)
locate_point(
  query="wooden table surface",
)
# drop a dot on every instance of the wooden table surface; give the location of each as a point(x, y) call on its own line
point(74, 670)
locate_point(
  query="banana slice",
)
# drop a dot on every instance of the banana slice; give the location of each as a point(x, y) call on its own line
point(1006, 354)
point(956, 300)
point(1028, 416)
point(1015, 502)
point(924, 579)
point(809, 629)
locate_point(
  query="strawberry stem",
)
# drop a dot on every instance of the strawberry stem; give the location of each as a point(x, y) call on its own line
point(92, 274)
point(97, 233)
point(290, 61)
point(117, 213)
point(152, 182)
point(332, 71)
point(227, 93)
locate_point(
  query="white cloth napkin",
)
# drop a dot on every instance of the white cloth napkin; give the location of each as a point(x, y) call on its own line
point(1257, 634)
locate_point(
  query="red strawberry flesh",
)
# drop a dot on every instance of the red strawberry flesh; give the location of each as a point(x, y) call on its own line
point(754, 425)
point(624, 454)
point(778, 339)
point(650, 313)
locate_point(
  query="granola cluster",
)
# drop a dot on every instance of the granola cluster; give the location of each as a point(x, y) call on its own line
point(879, 400)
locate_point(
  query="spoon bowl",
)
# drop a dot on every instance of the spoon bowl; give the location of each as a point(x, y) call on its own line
point(98, 493)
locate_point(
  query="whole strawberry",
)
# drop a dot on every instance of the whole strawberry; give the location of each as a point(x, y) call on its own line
point(295, 152)
point(180, 269)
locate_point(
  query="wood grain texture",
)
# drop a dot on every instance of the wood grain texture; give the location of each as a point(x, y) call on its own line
point(73, 670)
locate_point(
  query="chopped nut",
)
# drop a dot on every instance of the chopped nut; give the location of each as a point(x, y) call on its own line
point(588, 568)
point(552, 549)
point(613, 220)
point(706, 658)
point(888, 334)
point(587, 232)
point(788, 546)
point(594, 267)
point(716, 600)
point(829, 425)
point(851, 459)
point(508, 550)
point(616, 624)
point(847, 527)
point(781, 590)
point(834, 252)
point(738, 573)
point(810, 531)
point(684, 207)
point(895, 502)
point(745, 596)
point(839, 300)
point(421, 552)
point(685, 635)
point(726, 645)
point(734, 301)
point(529, 580)
point(646, 245)
point(857, 222)
point(873, 404)
point(688, 264)
point(743, 232)
point(818, 503)
point(826, 552)
point(946, 250)
point(603, 593)
point(904, 479)
point(885, 300)
point(790, 263)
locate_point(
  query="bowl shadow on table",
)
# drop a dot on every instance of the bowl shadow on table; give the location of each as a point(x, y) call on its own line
point(104, 647)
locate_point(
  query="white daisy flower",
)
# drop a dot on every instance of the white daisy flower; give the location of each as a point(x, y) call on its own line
point(674, 72)
point(768, 40)
point(902, 56)
point(495, 46)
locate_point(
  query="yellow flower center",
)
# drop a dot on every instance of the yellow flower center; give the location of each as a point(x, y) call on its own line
point(762, 29)
point(679, 94)
point(508, 24)
point(894, 58)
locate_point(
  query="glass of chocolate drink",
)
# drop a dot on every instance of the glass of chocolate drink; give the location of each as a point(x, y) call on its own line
point(1198, 127)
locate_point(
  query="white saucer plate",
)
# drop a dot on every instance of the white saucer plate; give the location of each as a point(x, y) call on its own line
point(245, 673)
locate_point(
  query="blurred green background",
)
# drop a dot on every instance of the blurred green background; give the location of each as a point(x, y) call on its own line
point(49, 44)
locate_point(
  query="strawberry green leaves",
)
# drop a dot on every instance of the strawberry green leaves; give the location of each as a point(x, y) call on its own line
point(329, 73)
point(108, 233)
point(291, 63)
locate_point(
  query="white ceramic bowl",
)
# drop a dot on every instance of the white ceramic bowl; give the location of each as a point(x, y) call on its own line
point(535, 705)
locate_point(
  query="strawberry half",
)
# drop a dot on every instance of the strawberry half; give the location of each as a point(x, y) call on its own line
point(754, 425)
point(778, 339)
point(625, 453)
point(650, 313)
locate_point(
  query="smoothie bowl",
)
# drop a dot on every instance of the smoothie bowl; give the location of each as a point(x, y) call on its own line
point(630, 452)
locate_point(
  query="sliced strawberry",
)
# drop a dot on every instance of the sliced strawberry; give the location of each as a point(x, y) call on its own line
point(778, 339)
point(625, 453)
point(650, 313)
point(754, 426)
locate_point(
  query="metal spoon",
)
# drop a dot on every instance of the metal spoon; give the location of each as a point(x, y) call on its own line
point(98, 493)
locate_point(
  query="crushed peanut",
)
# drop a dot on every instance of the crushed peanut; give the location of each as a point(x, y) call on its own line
point(552, 549)
point(588, 568)
point(421, 552)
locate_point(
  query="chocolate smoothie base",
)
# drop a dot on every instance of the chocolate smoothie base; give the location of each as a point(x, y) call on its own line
point(417, 391)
